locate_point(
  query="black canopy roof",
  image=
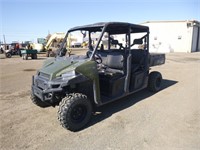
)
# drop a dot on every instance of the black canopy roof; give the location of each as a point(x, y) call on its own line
point(113, 27)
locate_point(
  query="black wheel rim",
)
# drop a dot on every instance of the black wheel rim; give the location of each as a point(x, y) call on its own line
point(8, 55)
point(78, 113)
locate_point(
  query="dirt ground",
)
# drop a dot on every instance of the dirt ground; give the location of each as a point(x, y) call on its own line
point(167, 120)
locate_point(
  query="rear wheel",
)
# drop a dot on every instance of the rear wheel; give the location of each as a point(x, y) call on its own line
point(47, 54)
point(52, 54)
point(155, 80)
point(74, 111)
point(34, 56)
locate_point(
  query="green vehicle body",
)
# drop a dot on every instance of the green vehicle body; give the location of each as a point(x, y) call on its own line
point(54, 69)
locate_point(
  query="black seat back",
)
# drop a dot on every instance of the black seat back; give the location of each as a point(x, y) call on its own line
point(115, 60)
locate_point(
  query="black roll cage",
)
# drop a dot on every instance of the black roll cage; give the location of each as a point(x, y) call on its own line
point(111, 28)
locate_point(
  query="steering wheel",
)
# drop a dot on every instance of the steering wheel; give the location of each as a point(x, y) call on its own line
point(97, 58)
point(88, 53)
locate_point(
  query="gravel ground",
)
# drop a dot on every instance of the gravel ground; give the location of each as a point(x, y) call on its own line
point(167, 120)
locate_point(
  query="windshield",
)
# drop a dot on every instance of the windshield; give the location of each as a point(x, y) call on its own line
point(79, 42)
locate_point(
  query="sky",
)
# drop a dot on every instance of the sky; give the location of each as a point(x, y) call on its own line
point(27, 20)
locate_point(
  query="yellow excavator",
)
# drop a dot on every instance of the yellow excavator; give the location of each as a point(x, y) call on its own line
point(55, 40)
point(53, 43)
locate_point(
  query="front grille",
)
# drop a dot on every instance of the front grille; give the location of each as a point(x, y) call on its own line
point(41, 84)
point(44, 75)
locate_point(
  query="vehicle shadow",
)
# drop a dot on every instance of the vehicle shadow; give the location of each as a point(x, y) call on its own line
point(41, 58)
point(106, 111)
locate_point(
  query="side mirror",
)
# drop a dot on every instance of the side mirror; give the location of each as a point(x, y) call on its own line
point(114, 42)
point(83, 33)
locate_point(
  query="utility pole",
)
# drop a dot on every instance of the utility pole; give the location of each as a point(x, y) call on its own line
point(4, 42)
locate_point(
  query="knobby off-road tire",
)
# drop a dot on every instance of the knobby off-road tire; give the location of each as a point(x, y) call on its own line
point(155, 80)
point(8, 55)
point(74, 111)
point(38, 102)
point(47, 54)
point(52, 54)
point(25, 56)
point(34, 56)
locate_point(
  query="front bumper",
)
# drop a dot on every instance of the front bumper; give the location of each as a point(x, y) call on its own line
point(44, 94)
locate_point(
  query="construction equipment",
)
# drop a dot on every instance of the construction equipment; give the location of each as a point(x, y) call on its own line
point(53, 43)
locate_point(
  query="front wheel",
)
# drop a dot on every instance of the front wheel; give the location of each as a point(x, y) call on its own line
point(8, 55)
point(155, 79)
point(25, 56)
point(75, 111)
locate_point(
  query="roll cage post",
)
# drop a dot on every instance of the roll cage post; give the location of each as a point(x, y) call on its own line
point(128, 63)
point(62, 51)
point(99, 40)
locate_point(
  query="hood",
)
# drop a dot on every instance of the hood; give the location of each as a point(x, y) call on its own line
point(54, 67)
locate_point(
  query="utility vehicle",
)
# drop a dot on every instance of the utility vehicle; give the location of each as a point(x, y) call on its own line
point(116, 65)
point(13, 49)
point(29, 53)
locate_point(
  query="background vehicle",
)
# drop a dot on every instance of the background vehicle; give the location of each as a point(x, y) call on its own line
point(104, 73)
point(13, 49)
point(29, 53)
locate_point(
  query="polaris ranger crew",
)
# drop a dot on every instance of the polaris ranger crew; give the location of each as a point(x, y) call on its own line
point(116, 64)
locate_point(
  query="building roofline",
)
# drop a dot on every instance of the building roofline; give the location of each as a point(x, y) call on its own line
point(168, 21)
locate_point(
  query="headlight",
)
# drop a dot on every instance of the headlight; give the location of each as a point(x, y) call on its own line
point(69, 75)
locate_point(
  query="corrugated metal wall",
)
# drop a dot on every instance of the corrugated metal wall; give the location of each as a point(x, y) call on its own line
point(173, 36)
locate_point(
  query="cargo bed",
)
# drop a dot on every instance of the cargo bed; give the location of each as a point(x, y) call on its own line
point(29, 53)
point(156, 59)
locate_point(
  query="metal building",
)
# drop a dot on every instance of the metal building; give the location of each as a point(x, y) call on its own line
point(174, 36)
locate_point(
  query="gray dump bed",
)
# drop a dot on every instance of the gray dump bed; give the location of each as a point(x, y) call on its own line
point(156, 59)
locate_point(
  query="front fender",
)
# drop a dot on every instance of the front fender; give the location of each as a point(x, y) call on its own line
point(89, 69)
